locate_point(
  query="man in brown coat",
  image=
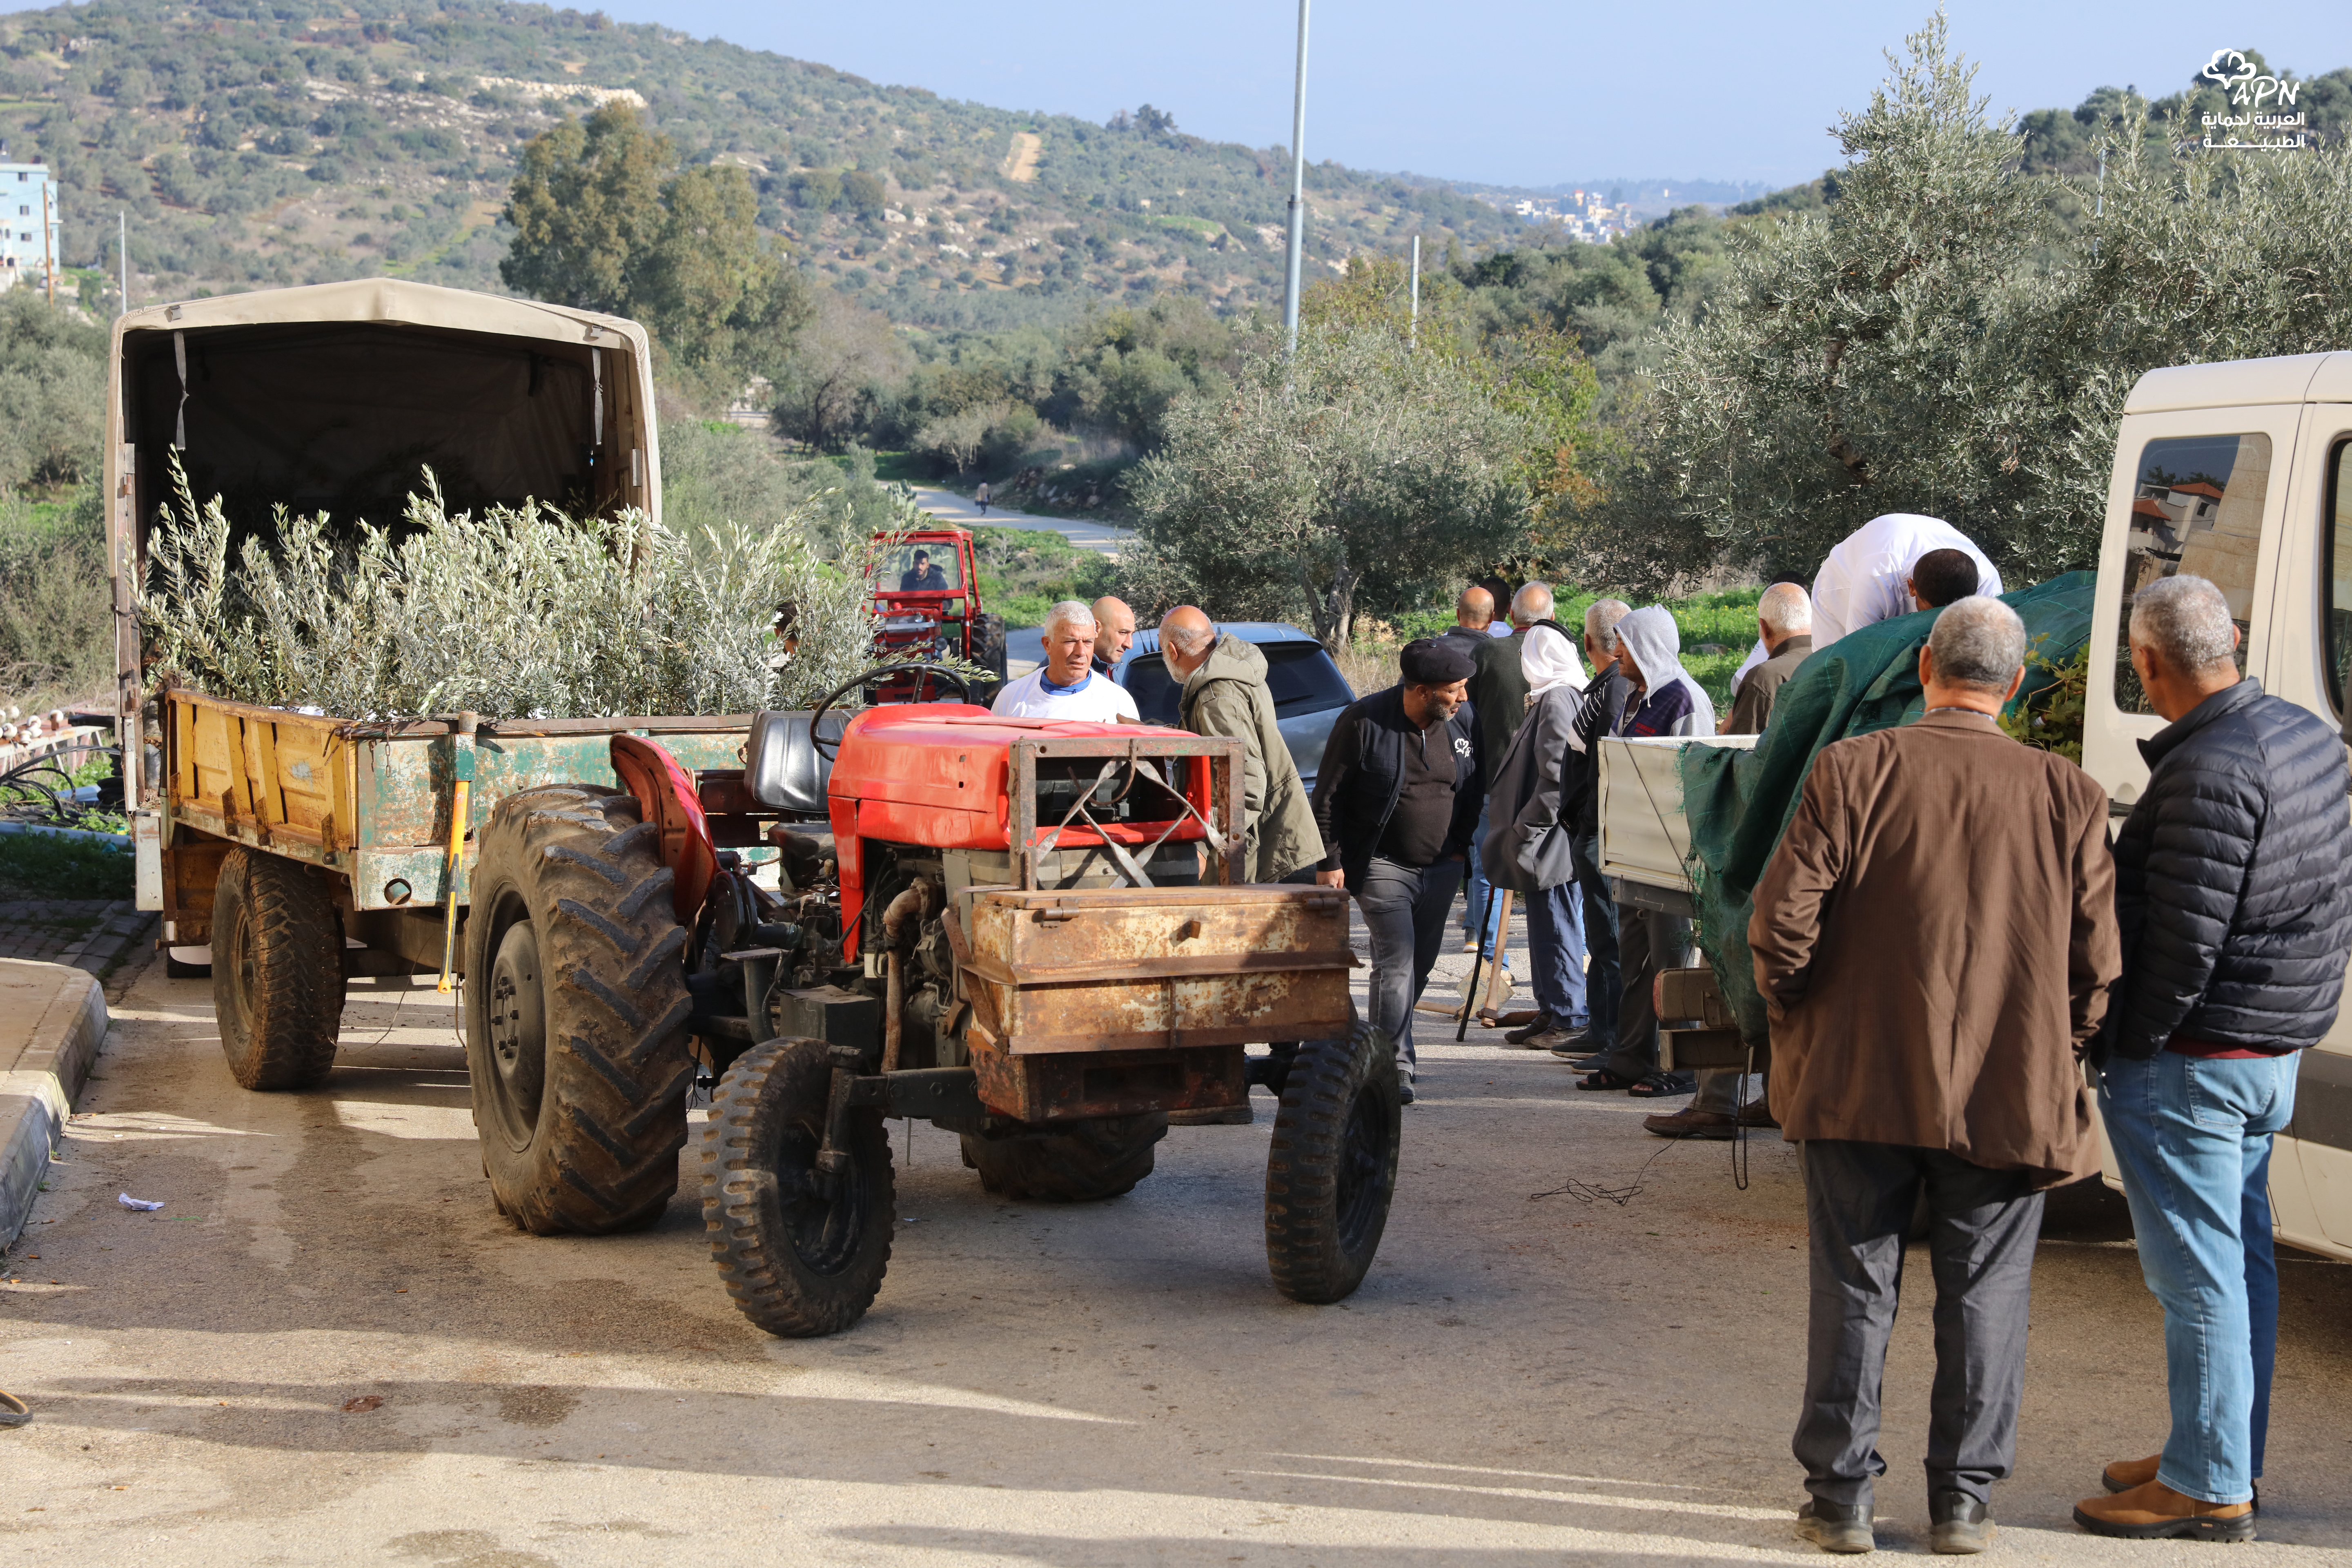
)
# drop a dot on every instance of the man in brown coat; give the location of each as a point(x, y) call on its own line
point(1934, 939)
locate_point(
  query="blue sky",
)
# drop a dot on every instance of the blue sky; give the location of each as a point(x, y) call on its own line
point(1515, 91)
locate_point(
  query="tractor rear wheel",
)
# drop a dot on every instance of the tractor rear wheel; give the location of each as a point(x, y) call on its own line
point(278, 971)
point(1083, 1162)
point(801, 1255)
point(575, 1013)
point(1331, 1172)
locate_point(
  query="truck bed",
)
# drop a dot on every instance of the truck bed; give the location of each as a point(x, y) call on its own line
point(1645, 837)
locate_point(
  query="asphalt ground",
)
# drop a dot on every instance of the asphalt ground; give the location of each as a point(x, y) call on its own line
point(327, 1347)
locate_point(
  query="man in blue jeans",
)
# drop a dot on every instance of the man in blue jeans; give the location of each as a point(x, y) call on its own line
point(2235, 923)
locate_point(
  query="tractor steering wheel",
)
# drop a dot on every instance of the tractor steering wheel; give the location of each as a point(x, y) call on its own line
point(828, 749)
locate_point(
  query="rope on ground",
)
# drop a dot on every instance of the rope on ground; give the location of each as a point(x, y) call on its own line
point(1592, 1193)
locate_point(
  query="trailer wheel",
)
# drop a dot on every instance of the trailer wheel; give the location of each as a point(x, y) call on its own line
point(1331, 1172)
point(575, 1013)
point(278, 971)
point(1084, 1163)
point(800, 1257)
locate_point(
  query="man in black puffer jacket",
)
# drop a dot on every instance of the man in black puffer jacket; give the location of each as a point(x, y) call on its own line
point(2230, 895)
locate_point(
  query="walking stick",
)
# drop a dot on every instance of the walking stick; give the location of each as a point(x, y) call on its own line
point(1502, 943)
point(1477, 955)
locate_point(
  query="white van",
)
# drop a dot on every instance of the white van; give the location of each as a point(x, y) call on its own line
point(2241, 473)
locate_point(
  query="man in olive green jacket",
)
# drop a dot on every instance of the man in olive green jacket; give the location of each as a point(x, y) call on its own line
point(1223, 681)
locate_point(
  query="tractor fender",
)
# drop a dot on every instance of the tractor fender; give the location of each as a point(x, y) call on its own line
point(667, 792)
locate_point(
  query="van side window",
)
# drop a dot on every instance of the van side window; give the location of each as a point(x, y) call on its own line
point(2337, 584)
point(2197, 507)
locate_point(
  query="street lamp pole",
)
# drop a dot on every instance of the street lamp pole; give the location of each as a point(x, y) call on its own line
point(1297, 193)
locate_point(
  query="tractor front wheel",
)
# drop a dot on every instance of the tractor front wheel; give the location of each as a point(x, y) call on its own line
point(1331, 1172)
point(803, 1252)
point(575, 1013)
point(1082, 1163)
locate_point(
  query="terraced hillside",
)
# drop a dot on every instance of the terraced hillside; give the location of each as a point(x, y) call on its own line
point(258, 141)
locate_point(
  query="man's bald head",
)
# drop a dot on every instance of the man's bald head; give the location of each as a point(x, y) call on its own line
point(1117, 628)
point(1476, 607)
point(1186, 636)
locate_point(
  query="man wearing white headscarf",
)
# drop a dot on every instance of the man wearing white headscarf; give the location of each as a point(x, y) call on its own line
point(1667, 701)
point(1867, 578)
point(1530, 848)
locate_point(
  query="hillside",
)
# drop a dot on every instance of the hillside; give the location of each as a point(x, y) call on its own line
point(258, 143)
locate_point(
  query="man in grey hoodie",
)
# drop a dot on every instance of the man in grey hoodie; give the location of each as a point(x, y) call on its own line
point(1225, 694)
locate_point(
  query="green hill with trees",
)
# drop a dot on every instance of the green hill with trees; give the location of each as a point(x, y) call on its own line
point(257, 144)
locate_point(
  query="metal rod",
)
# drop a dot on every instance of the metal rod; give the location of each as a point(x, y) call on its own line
point(1477, 955)
point(1412, 327)
point(1297, 193)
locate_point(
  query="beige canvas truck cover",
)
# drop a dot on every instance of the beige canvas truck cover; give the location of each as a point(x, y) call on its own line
point(339, 397)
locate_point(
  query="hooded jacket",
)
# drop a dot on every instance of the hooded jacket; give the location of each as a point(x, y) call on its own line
point(1656, 645)
point(1228, 696)
point(2229, 881)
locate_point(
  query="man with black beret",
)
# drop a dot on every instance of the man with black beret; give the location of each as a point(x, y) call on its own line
point(1397, 800)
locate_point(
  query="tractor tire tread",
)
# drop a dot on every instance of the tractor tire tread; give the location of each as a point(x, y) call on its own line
point(1085, 1162)
point(289, 1021)
point(1310, 1260)
point(616, 1014)
point(781, 1080)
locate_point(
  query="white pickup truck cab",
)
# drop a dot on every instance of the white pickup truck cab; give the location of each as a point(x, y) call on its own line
point(2241, 472)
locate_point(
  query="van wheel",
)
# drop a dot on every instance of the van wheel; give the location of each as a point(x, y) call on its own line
point(276, 970)
point(575, 1013)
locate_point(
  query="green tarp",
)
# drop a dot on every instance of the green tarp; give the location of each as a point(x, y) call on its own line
point(1739, 803)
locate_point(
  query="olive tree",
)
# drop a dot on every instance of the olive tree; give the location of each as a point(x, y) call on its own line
point(1356, 460)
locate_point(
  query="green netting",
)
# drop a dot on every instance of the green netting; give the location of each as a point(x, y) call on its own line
point(1739, 801)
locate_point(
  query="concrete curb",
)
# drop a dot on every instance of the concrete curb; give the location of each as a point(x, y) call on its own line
point(52, 1018)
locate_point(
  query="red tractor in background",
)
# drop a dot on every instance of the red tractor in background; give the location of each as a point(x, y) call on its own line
point(927, 597)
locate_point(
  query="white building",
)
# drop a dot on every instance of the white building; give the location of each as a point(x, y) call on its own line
point(28, 200)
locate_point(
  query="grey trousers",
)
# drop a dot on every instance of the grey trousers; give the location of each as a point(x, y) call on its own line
point(1859, 1198)
point(1646, 943)
point(1406, 908)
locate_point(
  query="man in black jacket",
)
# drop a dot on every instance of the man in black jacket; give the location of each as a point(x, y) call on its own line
point(1397, 799)
point(2231, 896)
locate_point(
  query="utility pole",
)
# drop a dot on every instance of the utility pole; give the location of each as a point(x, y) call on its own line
point(49, 246)
point(1412, 327)
point(1297, 193)
point(122, 256)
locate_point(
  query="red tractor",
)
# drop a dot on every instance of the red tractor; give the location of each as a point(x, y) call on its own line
point(1028, 933)
point(927, 597)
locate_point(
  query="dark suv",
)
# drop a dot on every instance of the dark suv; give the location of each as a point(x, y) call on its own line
point(1308, 689)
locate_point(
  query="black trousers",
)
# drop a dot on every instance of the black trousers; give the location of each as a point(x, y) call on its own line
point(1647, 941)
point(1859, 1199)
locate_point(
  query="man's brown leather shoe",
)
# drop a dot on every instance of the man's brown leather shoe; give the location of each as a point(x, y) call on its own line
point(2154, 1511)
point(2126, 1474)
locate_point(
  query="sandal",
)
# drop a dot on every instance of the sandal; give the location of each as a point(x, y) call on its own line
point(14, 1412)
point(1602, 1078)
point(1664, 1086)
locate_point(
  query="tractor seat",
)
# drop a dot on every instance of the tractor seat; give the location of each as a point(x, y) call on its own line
point(782, 768)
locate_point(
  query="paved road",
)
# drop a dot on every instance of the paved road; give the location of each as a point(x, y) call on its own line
point(950, 506)
point(327, 1348)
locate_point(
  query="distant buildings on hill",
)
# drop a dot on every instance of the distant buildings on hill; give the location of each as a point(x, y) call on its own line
point(30, 211)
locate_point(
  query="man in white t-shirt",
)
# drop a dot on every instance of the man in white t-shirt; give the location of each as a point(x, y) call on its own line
point(1065, 685)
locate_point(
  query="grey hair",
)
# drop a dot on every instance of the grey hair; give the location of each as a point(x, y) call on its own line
point(1600, 618)
point(1977, 641)
point(1073, 611)
point(2185, 622)
point(1786, 608)
point(1532, 602)
point(1188, 643)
